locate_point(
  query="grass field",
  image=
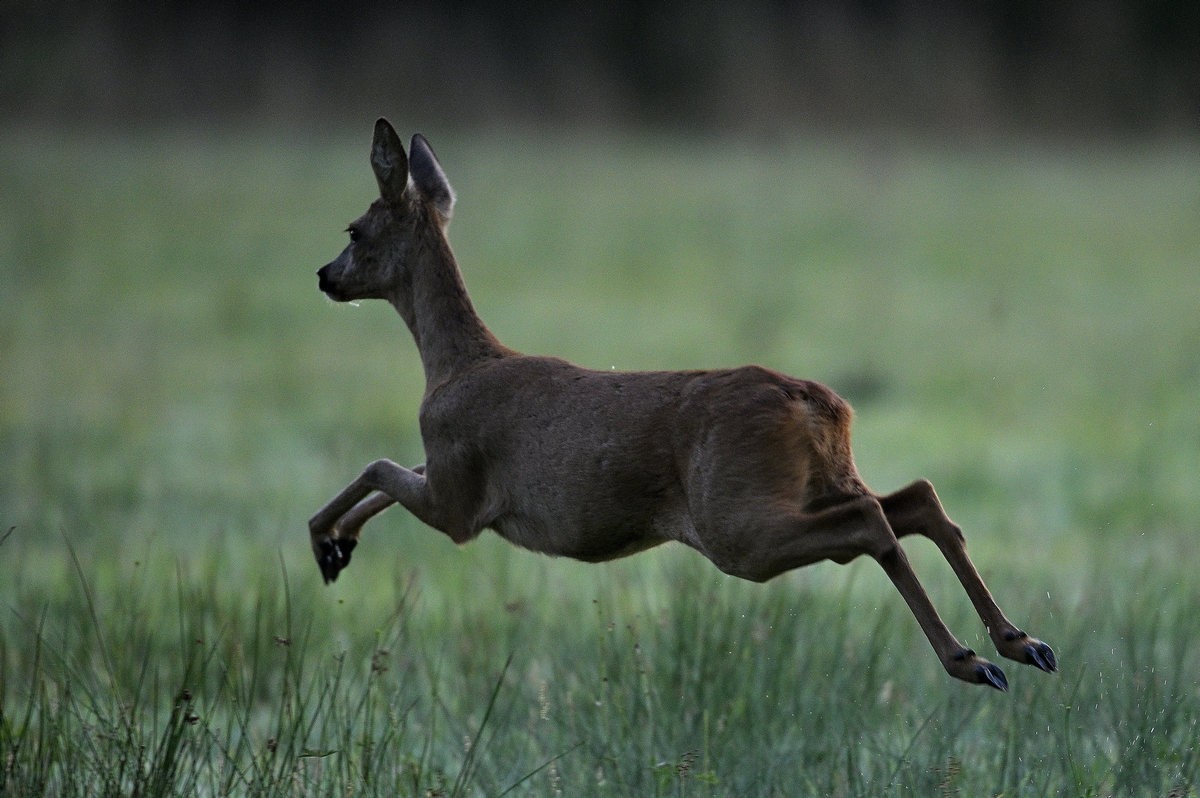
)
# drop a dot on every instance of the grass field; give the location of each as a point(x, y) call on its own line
point(1019, 324)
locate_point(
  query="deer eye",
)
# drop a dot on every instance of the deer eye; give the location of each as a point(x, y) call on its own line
point(354, 233)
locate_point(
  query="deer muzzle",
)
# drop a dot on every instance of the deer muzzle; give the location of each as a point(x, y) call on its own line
point(325, 281)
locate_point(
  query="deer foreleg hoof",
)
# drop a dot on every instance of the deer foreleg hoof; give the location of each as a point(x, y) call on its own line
point(967, 666)
point(991, 675)
point(1041, 656)
point(333, 554)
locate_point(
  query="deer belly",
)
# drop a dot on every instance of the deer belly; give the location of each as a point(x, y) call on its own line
point(562, 538)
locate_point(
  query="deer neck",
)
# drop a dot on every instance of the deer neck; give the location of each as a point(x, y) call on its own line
point(435, 305)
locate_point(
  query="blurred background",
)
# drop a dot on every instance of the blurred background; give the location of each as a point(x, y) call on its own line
point(1116, 67)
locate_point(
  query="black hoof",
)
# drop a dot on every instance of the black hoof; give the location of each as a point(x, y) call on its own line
point(1041, 656)
point(992, 676)
point(333, 556)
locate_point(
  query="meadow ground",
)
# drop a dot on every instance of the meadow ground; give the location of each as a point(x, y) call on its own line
point(1017, 323)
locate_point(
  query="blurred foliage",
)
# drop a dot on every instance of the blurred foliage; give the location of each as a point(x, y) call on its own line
point(764, 66)
point(1018, 325)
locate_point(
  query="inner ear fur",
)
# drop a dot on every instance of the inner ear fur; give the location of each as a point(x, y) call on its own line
point(389, 162)
point(429, 178)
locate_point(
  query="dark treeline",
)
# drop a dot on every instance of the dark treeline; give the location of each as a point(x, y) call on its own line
point(1120, 66)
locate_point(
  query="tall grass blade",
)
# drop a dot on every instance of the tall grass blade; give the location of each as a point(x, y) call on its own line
point(467, 770)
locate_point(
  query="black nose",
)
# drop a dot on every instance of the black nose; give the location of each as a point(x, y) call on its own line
point(323, 278)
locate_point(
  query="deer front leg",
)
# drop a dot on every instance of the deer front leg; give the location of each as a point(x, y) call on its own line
point(916, 510)
point(334, 529)
point(350, 525)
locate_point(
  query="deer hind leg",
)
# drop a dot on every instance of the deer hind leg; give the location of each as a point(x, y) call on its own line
point(841, 533)
point(335, 528)
point(916, 510)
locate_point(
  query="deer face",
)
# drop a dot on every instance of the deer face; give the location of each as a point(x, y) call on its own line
point(371, 264)
point(412, 195)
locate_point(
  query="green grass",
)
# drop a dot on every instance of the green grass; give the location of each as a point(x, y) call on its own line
point(1017, 324)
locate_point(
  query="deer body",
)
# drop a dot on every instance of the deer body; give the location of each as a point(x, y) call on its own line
point(631, 465)
point(750, 467)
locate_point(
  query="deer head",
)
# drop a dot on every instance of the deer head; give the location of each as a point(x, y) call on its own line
point(415, 198)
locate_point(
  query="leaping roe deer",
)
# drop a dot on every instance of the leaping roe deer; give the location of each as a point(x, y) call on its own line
point(750, 467)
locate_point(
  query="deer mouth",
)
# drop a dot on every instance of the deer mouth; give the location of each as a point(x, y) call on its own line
point(327, 286)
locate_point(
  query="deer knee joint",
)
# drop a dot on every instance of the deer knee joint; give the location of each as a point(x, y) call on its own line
point(376, 467)
point(376, 472)
point(890, 557)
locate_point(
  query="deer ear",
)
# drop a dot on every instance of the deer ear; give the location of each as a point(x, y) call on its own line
point(389, 162)
point(429, 178)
